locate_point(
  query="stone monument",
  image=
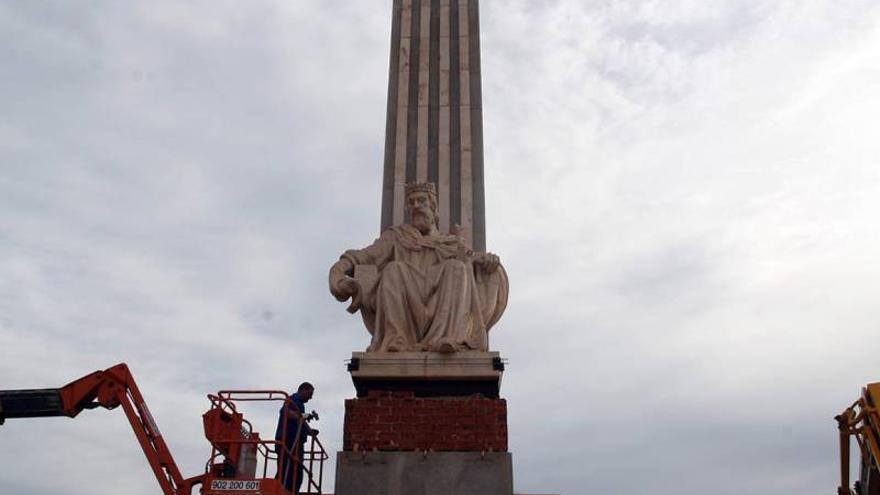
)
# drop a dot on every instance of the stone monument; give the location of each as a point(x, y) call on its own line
point(428, 418)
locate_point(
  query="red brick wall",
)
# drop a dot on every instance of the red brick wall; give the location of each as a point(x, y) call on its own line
point(402, 422)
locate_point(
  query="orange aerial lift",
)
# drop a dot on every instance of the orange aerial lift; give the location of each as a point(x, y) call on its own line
point(861, 420)
point(240, 461)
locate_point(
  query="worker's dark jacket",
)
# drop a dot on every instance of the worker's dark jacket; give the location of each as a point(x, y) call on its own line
point(295, 404)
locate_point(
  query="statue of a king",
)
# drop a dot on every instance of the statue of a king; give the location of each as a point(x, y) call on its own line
point(421, 290)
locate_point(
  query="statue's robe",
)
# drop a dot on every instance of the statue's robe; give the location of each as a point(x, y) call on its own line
point(418, 292)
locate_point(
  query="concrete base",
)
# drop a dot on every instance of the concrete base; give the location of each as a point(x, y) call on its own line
point(427, 374)
point(416, 473)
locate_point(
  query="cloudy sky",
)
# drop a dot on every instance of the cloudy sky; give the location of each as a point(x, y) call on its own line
point(684, 193)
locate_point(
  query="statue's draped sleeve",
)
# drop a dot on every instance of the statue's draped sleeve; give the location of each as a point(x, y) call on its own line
point(368, 263)
point(378, 253)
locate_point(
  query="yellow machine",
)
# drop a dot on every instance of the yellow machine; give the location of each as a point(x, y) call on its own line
point(861, 420)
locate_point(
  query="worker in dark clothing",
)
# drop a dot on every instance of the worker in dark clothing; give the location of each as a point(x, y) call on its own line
point(294, 410)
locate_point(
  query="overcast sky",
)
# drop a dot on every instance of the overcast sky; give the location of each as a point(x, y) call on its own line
point(685, 196)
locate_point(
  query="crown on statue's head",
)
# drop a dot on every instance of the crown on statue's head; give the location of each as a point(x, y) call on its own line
point(427, 187)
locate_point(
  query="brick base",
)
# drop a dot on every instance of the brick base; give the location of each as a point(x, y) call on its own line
point(399, 421)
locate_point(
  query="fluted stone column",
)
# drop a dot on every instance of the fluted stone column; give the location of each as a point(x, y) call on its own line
point(434, 128)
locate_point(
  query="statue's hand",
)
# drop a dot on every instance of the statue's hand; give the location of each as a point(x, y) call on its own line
point(342, 286)
point(488, 261)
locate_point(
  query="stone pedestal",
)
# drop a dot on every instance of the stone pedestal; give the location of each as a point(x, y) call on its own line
point(425, 423)
point(417, 473)
point(427, 374)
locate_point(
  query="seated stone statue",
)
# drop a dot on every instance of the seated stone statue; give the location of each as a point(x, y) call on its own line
point(421, 290)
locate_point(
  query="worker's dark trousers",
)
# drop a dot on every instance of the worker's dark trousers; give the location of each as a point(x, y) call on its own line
point(286, 469)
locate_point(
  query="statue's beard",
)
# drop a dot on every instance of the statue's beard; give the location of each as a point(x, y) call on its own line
point(422, 219)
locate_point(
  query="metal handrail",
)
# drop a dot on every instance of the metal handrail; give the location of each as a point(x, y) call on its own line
point(308, 459)
point(321, 457)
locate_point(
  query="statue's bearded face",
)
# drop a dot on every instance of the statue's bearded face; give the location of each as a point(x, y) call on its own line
point(422, 211)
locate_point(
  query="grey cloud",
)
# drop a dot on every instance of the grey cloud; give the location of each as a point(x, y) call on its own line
point(683, 197)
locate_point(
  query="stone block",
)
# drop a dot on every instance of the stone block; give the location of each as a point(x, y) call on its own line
point(417, 473)
point(427, 374)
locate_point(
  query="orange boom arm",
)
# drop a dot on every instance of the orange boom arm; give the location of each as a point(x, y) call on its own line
point(109, 389)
